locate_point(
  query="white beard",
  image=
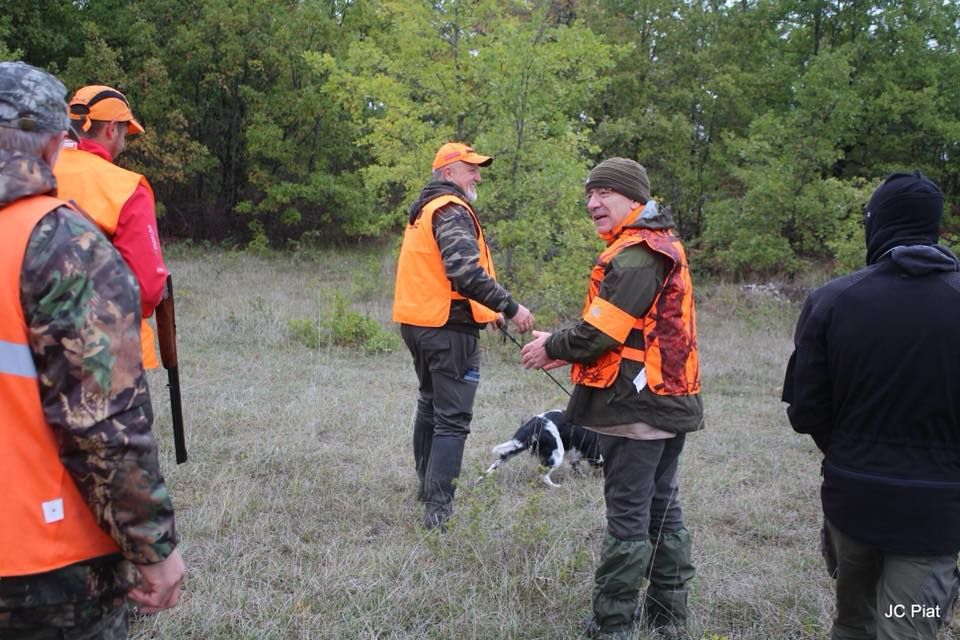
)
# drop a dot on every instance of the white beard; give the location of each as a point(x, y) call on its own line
point(472, 194)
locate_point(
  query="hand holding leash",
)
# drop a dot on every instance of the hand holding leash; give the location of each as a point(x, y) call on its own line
point(523, 319)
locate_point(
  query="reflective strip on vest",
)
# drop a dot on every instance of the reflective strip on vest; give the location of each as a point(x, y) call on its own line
point(631, 353)
point(609, 318)
point(16, 360)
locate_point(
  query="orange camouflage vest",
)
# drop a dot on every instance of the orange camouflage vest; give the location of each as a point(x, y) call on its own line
point(670, 358)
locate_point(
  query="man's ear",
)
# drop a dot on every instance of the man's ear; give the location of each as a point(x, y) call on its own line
point(51, 150)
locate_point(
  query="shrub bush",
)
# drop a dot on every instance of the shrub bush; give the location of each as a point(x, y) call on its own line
point(305, 331)
point(349, 328)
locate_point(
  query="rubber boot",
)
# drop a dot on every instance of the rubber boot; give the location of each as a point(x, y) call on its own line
point(422, 439)
point(595, 632)
point(440, 483)
point(616, 590)
point(665, 603)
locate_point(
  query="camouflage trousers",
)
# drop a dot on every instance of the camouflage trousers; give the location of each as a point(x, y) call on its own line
point(113, 626)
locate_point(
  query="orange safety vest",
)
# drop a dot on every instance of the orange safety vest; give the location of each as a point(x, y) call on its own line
point(668, 330)
point(423, 292)
point(45, 523)
point(101, 188)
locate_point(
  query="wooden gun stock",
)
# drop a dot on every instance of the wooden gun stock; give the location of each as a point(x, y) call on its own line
point(167, 336)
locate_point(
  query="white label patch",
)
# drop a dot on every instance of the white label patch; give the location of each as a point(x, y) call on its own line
point(641, 380)
point(53, 510)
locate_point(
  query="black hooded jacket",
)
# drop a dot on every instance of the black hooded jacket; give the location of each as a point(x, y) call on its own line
point(875, 379)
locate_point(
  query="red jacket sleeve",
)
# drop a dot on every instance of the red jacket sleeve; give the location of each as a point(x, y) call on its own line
point(137, 241)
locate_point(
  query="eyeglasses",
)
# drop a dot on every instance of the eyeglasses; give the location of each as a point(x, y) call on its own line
point(602, 193)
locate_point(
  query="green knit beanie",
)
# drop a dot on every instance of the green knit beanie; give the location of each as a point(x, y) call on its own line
point(624, 176)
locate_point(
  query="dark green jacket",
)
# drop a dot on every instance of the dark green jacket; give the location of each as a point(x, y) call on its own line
point(631, 282)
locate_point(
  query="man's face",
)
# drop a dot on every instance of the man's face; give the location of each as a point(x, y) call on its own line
point(608, 208)
point(464, 175)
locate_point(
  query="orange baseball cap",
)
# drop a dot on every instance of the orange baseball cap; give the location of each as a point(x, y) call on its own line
point(457, 151)
point(100, 102)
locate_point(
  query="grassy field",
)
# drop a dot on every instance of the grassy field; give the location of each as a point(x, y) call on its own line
point(297, 510)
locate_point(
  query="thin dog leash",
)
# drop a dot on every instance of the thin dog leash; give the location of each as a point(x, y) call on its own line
point(514, 341)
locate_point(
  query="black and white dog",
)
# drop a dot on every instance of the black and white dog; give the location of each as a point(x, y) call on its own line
point(549, 436)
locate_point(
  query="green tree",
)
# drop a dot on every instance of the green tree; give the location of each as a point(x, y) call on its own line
point(41, 32)
point(788, 205)
point(541, 74)
point(763, 123)
point(692, 75)
point(514, 81)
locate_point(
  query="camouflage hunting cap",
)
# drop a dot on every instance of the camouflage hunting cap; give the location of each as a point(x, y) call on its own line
point(31, 99)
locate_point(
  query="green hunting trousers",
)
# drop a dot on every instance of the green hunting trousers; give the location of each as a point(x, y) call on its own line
point(888, 596)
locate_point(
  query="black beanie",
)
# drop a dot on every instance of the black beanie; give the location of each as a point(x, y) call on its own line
point(905, 210)
point(624, 176)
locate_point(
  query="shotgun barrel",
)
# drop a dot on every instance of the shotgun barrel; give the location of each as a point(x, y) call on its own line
point(167, 336)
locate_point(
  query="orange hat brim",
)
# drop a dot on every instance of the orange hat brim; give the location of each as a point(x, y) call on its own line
point(476, 158)
point(134, 127)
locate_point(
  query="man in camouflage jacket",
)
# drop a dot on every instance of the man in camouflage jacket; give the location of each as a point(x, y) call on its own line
point(82, 310)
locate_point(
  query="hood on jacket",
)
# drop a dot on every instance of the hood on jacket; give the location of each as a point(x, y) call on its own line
point(905, 210)
point(653, 217)
point(921, 259)
point(23, 175)
point(434, 189)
